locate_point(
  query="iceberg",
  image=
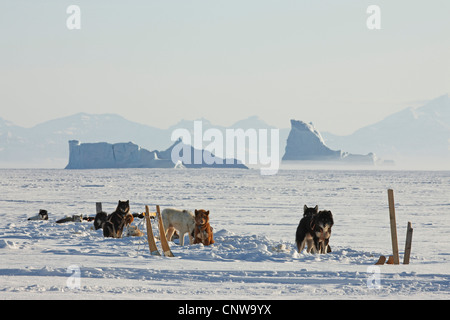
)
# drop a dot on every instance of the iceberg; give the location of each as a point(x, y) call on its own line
point(305, 143)
point(103, 155)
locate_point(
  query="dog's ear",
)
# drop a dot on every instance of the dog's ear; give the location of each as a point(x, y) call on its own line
point(305, 207)
point(207, 213)
point(316, 208)
point(196, 212)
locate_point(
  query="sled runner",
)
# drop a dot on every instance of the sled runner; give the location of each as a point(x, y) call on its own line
point(164, 243)
point(150, 238)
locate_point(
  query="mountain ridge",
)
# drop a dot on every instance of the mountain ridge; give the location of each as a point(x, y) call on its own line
point(47, 141)
point(411, 133)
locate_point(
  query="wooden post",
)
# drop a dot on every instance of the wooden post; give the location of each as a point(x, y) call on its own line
point(409, 232)
point(98, 207)
point(393, 226)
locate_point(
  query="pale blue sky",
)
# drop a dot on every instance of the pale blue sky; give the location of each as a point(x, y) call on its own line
point(157, 62)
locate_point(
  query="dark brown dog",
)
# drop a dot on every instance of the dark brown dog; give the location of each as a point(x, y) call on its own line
point(114, 223)
point(203, 233)
point(314, 230)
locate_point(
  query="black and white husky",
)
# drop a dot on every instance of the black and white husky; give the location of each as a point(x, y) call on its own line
point(42, 215)
point(314, 230)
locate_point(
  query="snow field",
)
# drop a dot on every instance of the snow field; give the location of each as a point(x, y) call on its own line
point(254, 219)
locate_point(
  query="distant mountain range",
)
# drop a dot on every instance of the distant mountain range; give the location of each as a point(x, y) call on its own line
point(413, 133)
point(46, 144)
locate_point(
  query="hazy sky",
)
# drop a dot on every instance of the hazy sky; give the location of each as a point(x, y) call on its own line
point(156, 62)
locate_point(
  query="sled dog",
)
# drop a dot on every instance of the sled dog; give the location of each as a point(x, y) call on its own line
point(74, 218)
point(314, 230)
point(42, 215)
point(203, 232)
point(100, 219)
point(114, 223)
point(181, 220)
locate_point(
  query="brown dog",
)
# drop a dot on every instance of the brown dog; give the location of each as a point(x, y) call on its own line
point(203, 232)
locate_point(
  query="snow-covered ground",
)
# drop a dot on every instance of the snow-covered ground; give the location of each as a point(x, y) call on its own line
point(254, 218)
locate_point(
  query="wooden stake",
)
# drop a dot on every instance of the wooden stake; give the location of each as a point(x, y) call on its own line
point(98, 207)
point(393, 226)
point(390, 260)
point(409, 232)
point(381, 260)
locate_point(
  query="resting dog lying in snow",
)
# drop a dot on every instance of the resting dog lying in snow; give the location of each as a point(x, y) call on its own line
point(203, 232)
point(133, 231)
point(181, 220)
point(314, 230)
point(74, 218)
point(42, 215)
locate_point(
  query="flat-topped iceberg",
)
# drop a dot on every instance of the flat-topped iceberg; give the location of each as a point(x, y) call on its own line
point(103, 155)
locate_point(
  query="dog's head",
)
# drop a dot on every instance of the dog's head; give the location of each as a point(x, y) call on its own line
point(77, 217)
point(201, 217)
point(123, 207)
point(309, 212)
point(99, 220)
point(321, 224)
point(43, 214)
